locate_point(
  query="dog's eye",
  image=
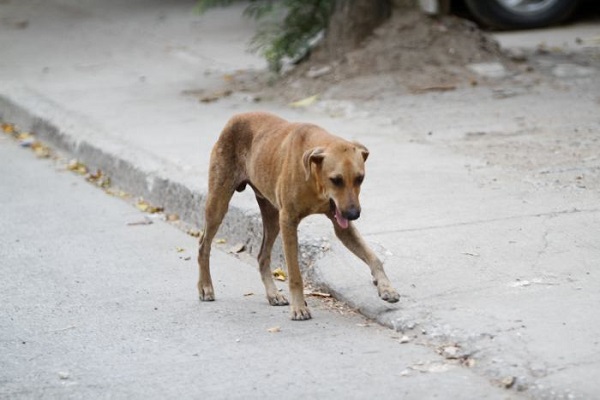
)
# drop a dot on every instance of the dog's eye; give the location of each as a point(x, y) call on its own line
point(359, 179)
point(337, 181)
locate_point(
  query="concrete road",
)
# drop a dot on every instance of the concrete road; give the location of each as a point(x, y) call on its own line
point(483, 201)
point(94, 308)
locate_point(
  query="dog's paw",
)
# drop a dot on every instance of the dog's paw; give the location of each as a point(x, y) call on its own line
point(206, 294)
point(301, 313)
point(277, 300)
point(388, 294)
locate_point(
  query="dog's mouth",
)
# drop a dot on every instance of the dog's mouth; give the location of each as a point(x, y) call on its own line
point(339, 218)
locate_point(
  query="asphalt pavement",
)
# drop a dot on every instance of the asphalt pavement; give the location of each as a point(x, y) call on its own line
point(96, 305)
point(492, 247)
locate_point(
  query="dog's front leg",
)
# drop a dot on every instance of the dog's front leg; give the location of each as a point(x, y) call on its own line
point(289, 234)
point(355, 243)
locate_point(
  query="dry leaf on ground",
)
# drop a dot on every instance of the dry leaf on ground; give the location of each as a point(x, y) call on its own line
point(194, 233)
point(40, 150)
point(8, 128)
point(77, 166)
point(144, 206)
point(215, 96)
point(305, 102)
point(279, 274)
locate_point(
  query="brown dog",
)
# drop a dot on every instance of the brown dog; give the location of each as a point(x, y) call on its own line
point(295, 170)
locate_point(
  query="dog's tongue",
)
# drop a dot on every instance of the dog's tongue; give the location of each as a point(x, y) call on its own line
point(342, 222)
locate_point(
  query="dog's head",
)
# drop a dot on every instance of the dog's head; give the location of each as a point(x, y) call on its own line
point(339, 170)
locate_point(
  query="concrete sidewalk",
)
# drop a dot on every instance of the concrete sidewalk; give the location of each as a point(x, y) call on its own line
point(488, 231)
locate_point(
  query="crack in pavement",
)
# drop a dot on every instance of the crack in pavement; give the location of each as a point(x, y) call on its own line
point(550, 214)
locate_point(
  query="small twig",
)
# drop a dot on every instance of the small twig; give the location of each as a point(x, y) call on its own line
point(62, 329)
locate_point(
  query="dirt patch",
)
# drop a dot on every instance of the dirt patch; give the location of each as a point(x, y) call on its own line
point(561, 159)
point(410, 52)
point(413, 53)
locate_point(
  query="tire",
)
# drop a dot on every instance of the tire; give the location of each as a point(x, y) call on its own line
point(524, 14)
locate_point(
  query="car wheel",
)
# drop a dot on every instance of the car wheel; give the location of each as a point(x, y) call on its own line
point(521, 14)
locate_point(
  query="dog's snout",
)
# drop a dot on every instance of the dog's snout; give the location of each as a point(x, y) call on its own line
point(352, 213)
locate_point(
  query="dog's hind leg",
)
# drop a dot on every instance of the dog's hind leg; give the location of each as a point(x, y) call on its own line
point(270, 220)
point(220, 191)
point(355, 243)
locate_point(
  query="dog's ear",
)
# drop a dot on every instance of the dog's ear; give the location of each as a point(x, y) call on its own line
point(364, 151)
point(315, 155)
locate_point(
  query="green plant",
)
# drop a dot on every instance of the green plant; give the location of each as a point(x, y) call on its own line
point(286, 26)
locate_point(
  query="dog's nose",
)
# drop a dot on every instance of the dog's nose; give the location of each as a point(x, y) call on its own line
point(352, 213)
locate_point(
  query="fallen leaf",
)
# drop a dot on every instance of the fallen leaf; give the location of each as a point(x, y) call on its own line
point(8, 128)
point(98, 178)
point(77, 167)
point(194, 233)
point(104, 183)
point(155, 210)
point(274, 329)
point(279, 274)
point(94, 176)
point(179, 249)
point(220, 241)
point(305, 102)
point(40, 150)
point(117, 193)
point(144, 206)
point(215, 96)
point(248, 294)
